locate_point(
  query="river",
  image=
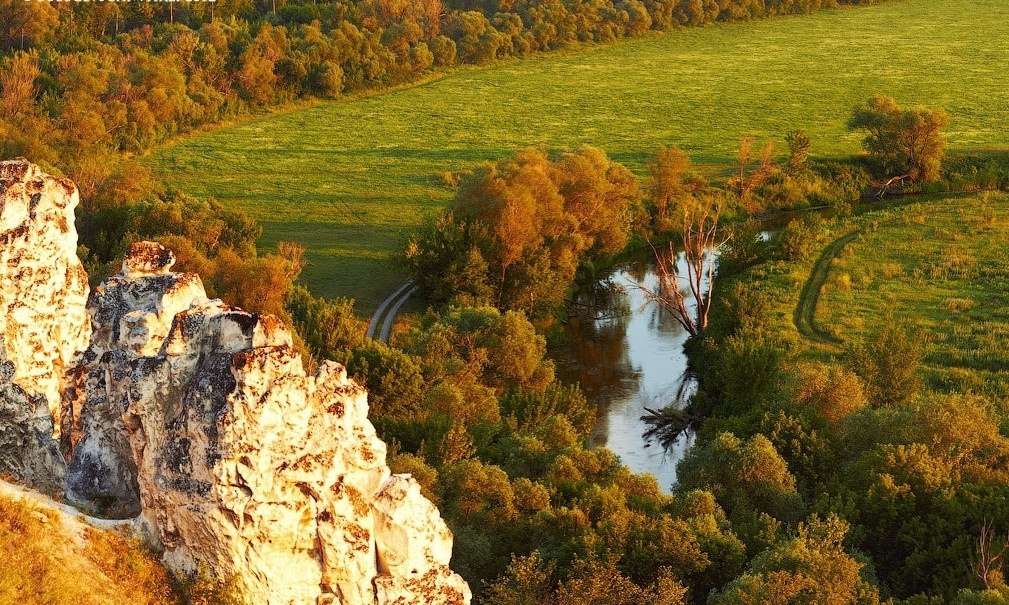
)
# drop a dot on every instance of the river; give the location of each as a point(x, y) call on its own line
point(627, 356)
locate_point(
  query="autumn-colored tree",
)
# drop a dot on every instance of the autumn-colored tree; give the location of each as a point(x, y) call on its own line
point(668, 181)
point(525, 223)
point(600, 197)
point(24, 24)
point(832, 391)
point(907, 142)
point(752, 171)
point(18, 75)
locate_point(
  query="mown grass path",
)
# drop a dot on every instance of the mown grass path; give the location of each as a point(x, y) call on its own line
point(349, 179)
point(805, 311)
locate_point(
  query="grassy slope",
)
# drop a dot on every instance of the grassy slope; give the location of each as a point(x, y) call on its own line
point(938, 266)
point(51, 559)
point(349, 179)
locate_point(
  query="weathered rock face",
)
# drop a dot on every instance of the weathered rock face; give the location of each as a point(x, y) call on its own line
point(200, 415)
point(274, 477)
point(131, 314)
point(43, 325)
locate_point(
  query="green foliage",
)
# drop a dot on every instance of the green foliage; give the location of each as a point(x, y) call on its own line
point(888, 362)
point(905, 141)
point(529, 409)
point(798, 151)
point(902, 435)
point(811, 568)
point(393, 379)
point(797, 240)
point(329, 327)
point(745, 476)
point(745, 373)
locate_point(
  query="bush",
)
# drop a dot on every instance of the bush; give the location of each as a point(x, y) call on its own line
point(888, 362)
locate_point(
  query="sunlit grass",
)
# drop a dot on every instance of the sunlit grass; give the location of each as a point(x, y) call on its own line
point(48, 563)
point(349, 179)
point(940, 268)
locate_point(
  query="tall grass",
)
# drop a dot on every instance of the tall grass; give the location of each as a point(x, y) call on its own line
point(48, 563)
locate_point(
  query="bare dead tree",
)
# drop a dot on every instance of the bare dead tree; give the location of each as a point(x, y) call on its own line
point(989, 557)
point(747, 180)
point(697, 228)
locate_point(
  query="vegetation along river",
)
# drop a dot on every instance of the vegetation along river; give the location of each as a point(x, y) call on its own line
point(627, 356)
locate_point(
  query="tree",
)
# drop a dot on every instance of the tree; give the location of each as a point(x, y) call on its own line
point(798, 151)
point(23, 24)
point(668, 182)
point(747, 180)
point(695, 222)
point(887, 362)
point(746, 477)
point(18, 75)
point(989, 558)
point(908, 143)
point(810, 568)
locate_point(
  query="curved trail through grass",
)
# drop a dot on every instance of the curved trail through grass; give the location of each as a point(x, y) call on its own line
point(377, 315)
point(349, 179)
point(805, 311)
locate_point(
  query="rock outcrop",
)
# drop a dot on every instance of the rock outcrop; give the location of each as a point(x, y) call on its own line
point(275, 477)
point(131, 314)
point(43, 323)
point(201, 417)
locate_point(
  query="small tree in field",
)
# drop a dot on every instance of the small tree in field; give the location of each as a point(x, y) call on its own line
point(909, 143)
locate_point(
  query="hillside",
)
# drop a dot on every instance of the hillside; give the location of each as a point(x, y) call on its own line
point(348, 179)
point(53, 557)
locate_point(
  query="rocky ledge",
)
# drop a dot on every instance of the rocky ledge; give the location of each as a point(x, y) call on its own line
point(200, 418)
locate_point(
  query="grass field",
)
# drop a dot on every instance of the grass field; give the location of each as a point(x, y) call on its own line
point(941, 267)
point(938, 266)
point(350, 179)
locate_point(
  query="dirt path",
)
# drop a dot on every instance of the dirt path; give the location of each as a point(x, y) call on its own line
point(390, 319)
point(805, 312)
point(377, 316)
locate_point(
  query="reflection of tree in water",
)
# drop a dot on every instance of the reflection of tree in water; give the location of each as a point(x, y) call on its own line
point(669, 422)
point(594, 354)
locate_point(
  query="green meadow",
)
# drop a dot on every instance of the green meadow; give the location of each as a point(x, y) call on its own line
point(936, 265)
point(350, 179)
point(939, 267)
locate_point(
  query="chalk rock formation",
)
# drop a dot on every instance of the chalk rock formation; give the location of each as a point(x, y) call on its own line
point(262, 473)
point(131, 314)
point(202, 416)
point(43, 325)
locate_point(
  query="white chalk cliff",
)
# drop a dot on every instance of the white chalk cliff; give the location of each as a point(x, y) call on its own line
point(201, 417)
point(43, 324)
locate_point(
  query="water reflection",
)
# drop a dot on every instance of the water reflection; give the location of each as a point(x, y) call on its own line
point(627, 356)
